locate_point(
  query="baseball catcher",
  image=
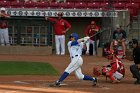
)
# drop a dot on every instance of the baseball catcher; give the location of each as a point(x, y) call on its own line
point(115, 70)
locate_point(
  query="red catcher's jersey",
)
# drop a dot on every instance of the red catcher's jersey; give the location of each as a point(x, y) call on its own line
point(117, 65)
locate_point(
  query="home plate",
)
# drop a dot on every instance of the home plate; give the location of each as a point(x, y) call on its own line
point(106, 88)
point(63, 84)
point(21, 82)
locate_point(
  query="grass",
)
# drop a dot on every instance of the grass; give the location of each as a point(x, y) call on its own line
point(26, 68)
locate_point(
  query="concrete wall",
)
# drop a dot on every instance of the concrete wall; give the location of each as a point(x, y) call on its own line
point(25, 50)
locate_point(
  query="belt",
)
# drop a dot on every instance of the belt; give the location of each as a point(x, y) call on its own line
point(74, 56)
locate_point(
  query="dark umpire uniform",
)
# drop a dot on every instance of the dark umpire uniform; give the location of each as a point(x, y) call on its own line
point(135, 68)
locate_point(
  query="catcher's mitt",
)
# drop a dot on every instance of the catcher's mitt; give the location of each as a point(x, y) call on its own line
point(96, 71)
point(106, 69)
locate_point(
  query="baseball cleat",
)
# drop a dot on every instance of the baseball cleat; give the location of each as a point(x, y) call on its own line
point(137, 82)
point(57, 83)
point(115, 82)
point(95, 82)
point(51, 85)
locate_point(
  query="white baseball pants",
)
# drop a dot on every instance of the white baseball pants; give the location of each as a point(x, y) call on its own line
point(60, 44)
point(93, 43)
point(75, 66)
point(4, 37)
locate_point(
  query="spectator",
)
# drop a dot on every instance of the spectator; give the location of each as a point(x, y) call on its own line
point(50, 1)
point(135, 68)
point(90, 31)
point(61, 26)
point(119, 37)
point(4, 36)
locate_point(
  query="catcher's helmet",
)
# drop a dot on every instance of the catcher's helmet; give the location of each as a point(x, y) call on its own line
point(112, 53)
point(75, 36)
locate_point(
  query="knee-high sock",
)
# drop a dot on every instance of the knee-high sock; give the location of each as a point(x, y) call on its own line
point(63, 76)
point(88, 78)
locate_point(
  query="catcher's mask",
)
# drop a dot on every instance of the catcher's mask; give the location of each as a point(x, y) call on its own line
point(112, 53)
point(105, 69)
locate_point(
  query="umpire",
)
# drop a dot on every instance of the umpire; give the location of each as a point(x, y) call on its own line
point(135, 68)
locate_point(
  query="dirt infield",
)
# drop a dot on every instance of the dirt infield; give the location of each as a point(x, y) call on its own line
point(39, 84)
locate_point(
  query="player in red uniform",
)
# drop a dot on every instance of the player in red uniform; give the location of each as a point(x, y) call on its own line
point(4, 36)
point(61, 26)
point(90, 31)
point(117, 70)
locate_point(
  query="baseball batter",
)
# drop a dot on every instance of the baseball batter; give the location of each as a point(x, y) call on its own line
point(61, 26)
point(4, 36)
point(75, 46)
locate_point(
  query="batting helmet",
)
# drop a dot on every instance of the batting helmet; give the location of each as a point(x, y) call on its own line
point(75, 36)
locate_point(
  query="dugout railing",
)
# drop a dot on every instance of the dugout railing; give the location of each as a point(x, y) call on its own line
point(30, 32)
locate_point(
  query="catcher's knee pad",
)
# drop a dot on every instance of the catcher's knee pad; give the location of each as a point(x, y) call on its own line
point(118, 75)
